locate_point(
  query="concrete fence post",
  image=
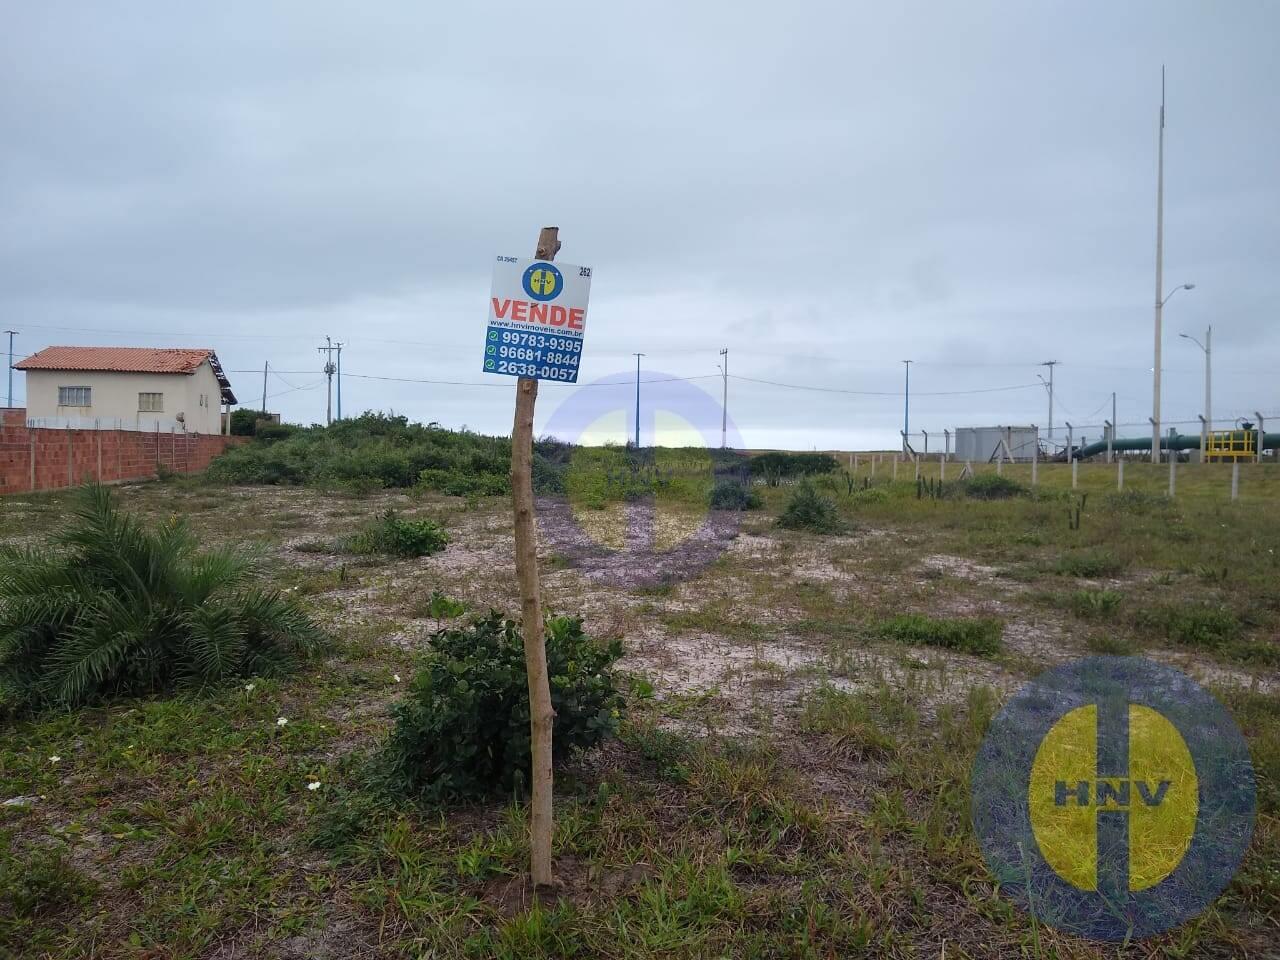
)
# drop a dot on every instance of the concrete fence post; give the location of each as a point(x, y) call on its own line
point(1000, 462)
point(1035, 455)
point(873, 466)
point(1204, 438)
point(1120, 474)
point(1235, 479)
point(1075, 472)
point(1261, 437)
point(1173, 467)
point(942, 468)
point(946, 445)
point(895, 466)
point(916, 461)
point(1109, 430)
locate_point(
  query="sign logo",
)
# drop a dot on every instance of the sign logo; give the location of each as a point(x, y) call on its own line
point(1113, 797)
point(542, 281)
point(634, 518)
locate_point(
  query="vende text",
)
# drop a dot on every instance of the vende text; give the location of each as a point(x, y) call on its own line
point(522, 311)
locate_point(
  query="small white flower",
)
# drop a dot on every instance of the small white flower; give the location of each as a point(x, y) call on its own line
point(395, 677)
point(313, 785)
point(55, 758)
point(281, 721)
point(248, 687)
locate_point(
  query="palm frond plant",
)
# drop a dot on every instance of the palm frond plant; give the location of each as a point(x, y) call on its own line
point(112, 608)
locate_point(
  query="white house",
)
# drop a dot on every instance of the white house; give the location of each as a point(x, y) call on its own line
point(128, 387)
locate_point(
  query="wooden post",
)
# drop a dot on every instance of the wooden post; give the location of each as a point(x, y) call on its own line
point(541, 713)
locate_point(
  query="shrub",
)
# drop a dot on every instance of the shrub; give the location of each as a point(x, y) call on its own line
point(775, 467)
point(393, 534)
point(463, 730)
point(730, 495)
point(1088, 563)
point(1094, 604)
point(977, 635)
point(1201, 625)
point(122, 610)
point(992, 486)
point(444, 608)
point(809, 510)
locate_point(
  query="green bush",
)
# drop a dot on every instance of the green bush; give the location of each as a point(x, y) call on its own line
point(121, 610)
point(977, 635)
point(1089, 564)
point(399, 537)
point(776, 467)
point(463, 730)
point(809, 510)
point(444, 608)
point(1202, 625)
point(731, 495)
point(992, 486)
point(1094, 604)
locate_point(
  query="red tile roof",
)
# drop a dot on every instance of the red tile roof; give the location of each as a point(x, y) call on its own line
point(128, 360)
point(116, 359)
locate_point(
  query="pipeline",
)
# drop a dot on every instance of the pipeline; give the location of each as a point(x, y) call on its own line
point(1182, 441)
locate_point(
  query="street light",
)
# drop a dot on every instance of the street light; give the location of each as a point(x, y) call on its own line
point(1155, 419)
point(1207, 347)
point(1185, 286)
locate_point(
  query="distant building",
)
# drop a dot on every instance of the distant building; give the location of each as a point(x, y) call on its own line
point(129, 387)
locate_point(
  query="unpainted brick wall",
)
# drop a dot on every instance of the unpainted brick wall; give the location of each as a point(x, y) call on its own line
point(45, 459)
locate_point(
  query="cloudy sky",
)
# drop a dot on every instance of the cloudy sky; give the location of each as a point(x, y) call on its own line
point(824, 188)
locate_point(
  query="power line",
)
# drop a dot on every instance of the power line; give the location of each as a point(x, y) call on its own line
point(884, 393)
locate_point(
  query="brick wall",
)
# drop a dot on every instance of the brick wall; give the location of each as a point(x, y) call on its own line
point(64, 458)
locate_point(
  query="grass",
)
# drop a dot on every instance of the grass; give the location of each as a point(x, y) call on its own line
point(979, 635)
point(829, 820)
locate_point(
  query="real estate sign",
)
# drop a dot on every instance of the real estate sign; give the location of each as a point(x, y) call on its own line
point(537, 318)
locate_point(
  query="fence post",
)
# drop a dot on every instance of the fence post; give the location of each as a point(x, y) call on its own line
point(1035, 455)
point(31, 433)
point(1261, 437)
point(855, 464)
point(946, 444)
point(71, 469)
point(1204, 439)
point(1235, 479)
point(1071, 454)
point(1000, 461)
point(1120, 474)
point(1109, 430)
point(1155, 439)
point(916, 461)
point(98, 435)
point(1075, 470)
point(925, 434)
point(1173, 461)
point(942, 468)
point(873, 466)
point(895, 466)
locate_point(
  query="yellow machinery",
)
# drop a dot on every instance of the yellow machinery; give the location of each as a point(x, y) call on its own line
point(1231, 445)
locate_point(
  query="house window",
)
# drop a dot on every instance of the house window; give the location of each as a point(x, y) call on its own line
point(150, 402)
point(75, 396)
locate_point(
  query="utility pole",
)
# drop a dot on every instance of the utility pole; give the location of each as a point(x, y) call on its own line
point(329, 370)
point(724, 405)
point(265, 365)
point(339, 381)
point(1051, 364)
point(1155, 401)
point(906, 406)
point(9, 401)
point(638, 356)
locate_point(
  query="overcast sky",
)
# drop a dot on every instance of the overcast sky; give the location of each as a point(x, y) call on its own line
point(825, 189)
